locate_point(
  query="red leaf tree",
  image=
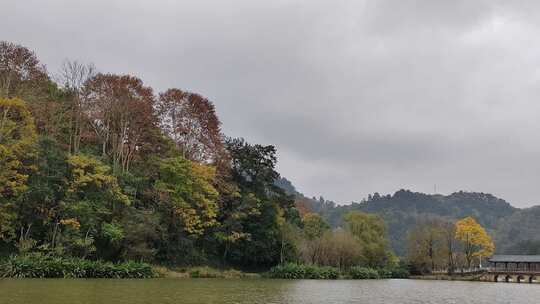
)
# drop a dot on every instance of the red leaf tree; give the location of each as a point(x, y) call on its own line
point(191, 121)
point(120, 110)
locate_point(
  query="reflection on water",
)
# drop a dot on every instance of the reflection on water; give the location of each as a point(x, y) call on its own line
point(169, 291)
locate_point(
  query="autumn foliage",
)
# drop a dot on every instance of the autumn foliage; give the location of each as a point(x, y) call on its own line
point(439, 244)
point(96, 166)
point(476, 241)
point(191, 121)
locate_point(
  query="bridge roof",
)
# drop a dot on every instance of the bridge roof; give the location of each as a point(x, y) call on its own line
point(515, 258)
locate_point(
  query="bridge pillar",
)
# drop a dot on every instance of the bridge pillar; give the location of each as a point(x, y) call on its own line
point(510, 277)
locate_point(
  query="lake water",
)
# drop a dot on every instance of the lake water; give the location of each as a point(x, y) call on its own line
point(169, 291)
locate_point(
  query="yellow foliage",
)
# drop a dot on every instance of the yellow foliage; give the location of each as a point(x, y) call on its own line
point(476, 241)
point(17, 146)
point(314, 225)
point(187, 189)
point(74, 223)
point(90, 176)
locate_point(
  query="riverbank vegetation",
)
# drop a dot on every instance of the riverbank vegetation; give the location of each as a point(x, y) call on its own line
point(442, 246)
point(303, 271)
point(97, 169)
point(39, 266)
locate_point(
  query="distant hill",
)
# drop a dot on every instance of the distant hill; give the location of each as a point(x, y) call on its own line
point(514, 230)
point(519, 233)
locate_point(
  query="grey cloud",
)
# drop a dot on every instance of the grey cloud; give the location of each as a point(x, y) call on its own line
point(358, 96)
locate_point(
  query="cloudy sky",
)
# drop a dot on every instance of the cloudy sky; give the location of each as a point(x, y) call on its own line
point(358, 96)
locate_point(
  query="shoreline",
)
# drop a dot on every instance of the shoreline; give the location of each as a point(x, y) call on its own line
point(203, 272)
point(446, 277)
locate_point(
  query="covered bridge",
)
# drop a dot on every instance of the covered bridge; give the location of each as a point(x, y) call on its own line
point(514, 268)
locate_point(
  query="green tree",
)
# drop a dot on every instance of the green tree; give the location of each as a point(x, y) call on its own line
point(186, 192)
point(314, 226)
point(370, 231)
point(93, 198)
point(187, 199)
point(141, 234)
point(259, 202)
point(290, 236)
point(42, 204)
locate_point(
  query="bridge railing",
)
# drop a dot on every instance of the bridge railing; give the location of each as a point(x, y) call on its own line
point(493, 269)
point(473, 271)
point(462, 271)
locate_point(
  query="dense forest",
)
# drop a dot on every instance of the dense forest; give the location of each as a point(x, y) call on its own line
point(98, 167)
point(515, 231)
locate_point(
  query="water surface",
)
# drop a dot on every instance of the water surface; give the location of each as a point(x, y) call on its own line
point(170, 291)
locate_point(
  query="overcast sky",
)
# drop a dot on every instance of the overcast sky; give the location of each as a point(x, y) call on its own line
point(357, 96)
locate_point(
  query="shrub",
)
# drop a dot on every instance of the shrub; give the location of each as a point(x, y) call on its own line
point(363, 273)
point(46, 266)
point(204, 272)
point(385, 273)
point(209, 272)
point(298, 271)
point(400, 272)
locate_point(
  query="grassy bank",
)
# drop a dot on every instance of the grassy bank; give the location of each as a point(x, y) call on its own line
point(202, 272)
point(44, 266)
point(446, 277)
point(299, 271)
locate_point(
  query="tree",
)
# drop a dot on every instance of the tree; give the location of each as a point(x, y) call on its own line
point(426, 245)
point(49, 113)
point(90, 180)
point(448, 228)
point(370, 231)
point(302, 205)
point(17, 150)
point(191, 121)
point(21, 73)
point(121, 114)
point(234, 210)
point(73, 77)
point(142, 232)
point(17, 140)
point(258, 203)
point(93, 198)
point(333, 248)
point(340, 249)
point(41, 206)
point(186, 200)
point(314, 226)
point(290, 236)
point(185, 190)
point(476, 242)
